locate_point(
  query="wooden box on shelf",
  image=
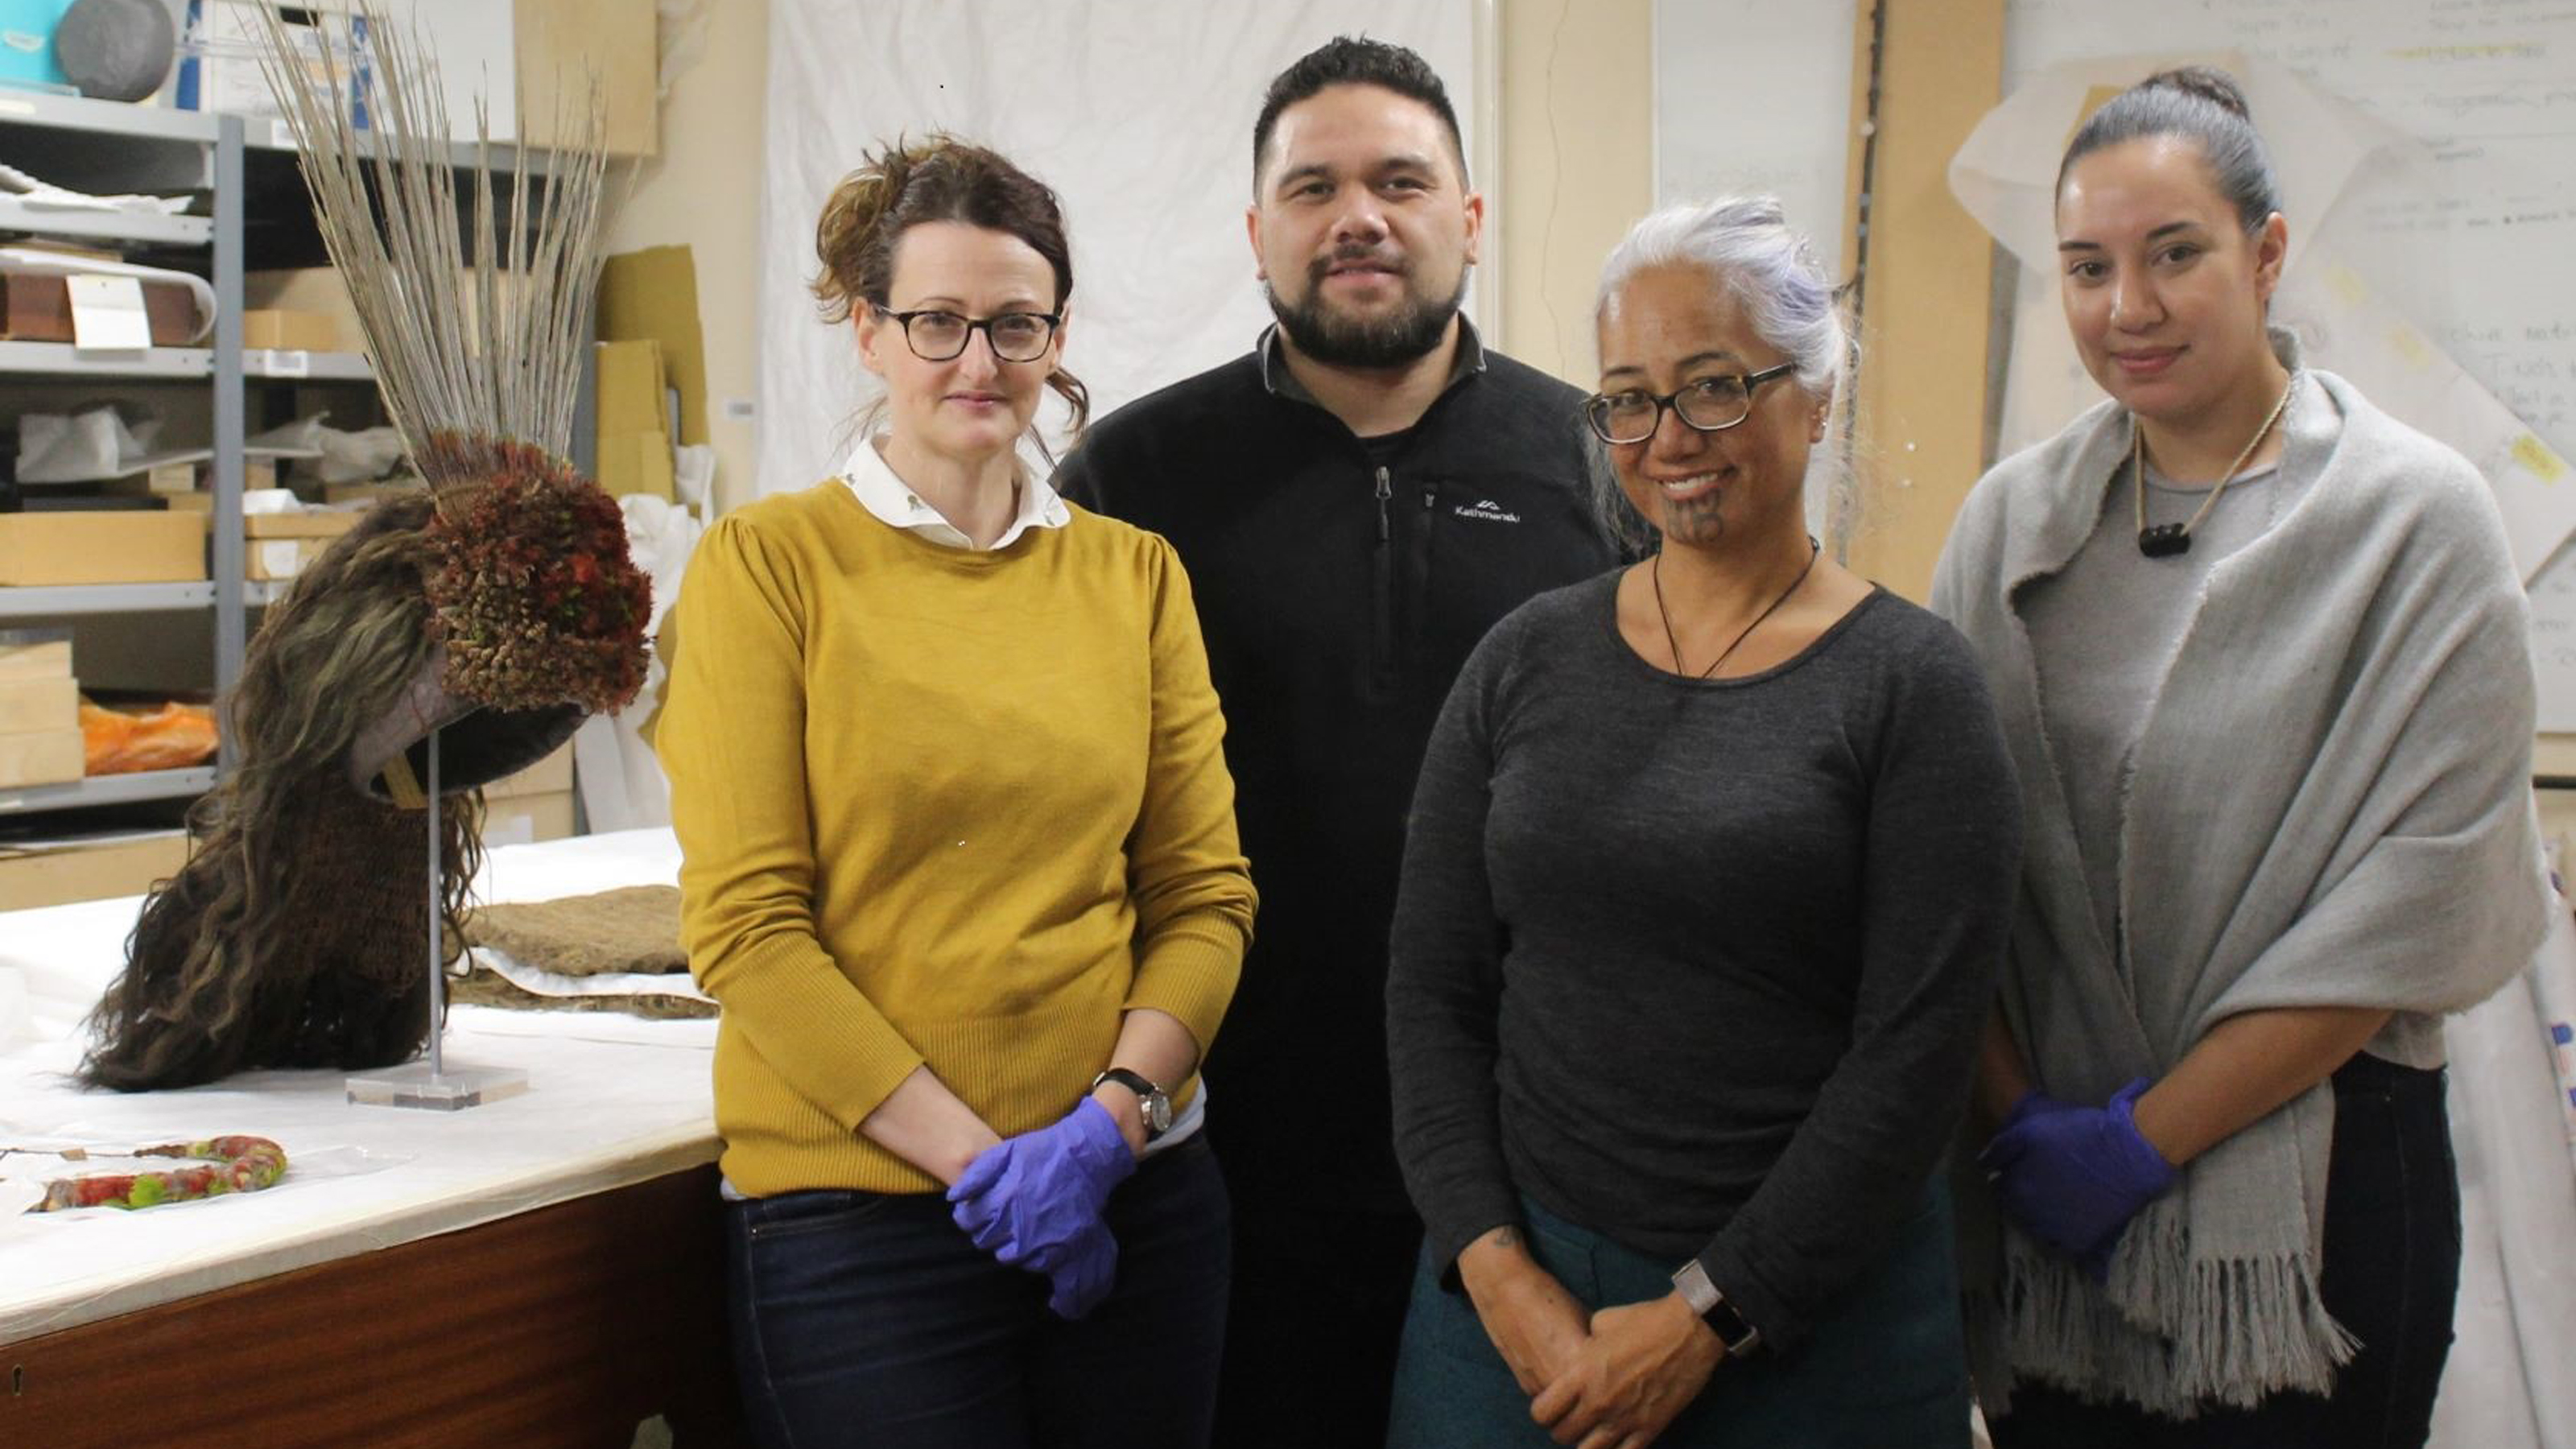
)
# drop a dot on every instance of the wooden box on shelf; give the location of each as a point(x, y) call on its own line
point(283, 545)
point(56, 872)
point(30, 706)
point(37, 307)
point(117, 546)
point(41, 757)
point(284, 329)
point(35, 653)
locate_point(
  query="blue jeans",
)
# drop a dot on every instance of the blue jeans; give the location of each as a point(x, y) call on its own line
point(1886, 1366)
point(2391, 1274)
point(864, 1318)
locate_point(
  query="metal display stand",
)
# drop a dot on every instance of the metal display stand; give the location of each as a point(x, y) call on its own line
point(429, 1083)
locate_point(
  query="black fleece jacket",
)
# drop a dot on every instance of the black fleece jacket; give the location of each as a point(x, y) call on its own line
point(1341, 585)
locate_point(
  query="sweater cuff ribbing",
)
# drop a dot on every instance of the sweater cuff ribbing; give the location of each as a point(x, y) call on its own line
point(861, 1055)
point(1189, 970)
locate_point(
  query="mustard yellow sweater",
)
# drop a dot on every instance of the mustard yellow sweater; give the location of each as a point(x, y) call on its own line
point(938, 806)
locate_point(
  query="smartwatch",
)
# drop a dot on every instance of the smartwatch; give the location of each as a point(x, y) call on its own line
point(1737, 1336)
point(1152, 1100)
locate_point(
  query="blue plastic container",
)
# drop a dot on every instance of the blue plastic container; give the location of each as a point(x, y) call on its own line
point(27, 41)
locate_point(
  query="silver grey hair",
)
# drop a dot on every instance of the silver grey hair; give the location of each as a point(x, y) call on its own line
point(1746, 245)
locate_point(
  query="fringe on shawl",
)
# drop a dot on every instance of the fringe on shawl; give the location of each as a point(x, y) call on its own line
point(2169, 1333)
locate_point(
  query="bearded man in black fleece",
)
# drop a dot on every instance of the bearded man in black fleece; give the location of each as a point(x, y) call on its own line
point(1357, 501)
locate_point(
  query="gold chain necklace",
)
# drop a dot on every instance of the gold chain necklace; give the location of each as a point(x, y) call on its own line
point(1655, 575)
point(2166, 539)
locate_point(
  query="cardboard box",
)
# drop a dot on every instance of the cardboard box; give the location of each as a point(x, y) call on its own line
point(319, 292)
point(311, 523)
point(31, 705)
point(284, 329)
point(42, 757)
point(632, 431)
point(560, 44)
point(38, 308)
point(120, 547)
point(35, 653)
point(521, 819)
point(551, 775)
point(52, 873)
point(311, 291)
point(268, 560)
point(371, 492)
point(176, 481)
point(283, 545)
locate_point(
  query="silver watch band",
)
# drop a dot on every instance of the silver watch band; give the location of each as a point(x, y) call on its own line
point(1739, 1337)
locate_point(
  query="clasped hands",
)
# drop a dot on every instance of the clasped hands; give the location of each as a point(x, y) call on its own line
point(1035, 1201)
point(2072, 1176)
point(1613, 1379)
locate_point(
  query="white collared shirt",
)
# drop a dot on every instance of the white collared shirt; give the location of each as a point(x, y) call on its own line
point(893, 500)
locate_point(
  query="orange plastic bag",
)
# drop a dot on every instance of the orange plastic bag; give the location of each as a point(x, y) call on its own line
point(172, 737)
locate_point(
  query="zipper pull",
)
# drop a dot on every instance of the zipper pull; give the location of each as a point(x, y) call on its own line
point(1385, 491)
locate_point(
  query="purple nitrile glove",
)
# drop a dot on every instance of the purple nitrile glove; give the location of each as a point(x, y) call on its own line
point(2074, 1177)
point(1034, 1201)
point(2033, 1103)
point(1083, 1272)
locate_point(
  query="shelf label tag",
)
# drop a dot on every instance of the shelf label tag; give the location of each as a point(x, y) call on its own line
point(286, 363)
point(107, 313)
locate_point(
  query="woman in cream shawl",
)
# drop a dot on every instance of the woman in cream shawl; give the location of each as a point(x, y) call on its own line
point(2262, 659)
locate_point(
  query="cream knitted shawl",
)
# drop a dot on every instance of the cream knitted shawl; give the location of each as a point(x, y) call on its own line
point(2329, 805)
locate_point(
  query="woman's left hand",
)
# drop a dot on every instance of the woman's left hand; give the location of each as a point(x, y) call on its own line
point(1034, 1201)
point(1641, 1367)
point(2073, 1177)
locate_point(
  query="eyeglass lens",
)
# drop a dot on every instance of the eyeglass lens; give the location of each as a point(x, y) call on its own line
point(1016, 336)
point(1708, 404)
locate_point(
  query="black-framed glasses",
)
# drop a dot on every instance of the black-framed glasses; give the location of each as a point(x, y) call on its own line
point(1711, 404)
point(937, 336)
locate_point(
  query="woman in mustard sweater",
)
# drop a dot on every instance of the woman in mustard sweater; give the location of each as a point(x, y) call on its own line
point(959, 860)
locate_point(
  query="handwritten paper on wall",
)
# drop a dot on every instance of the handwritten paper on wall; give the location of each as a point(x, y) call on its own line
point(2434, 273)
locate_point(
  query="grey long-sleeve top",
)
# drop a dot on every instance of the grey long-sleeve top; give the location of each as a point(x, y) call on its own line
point(1700, 965)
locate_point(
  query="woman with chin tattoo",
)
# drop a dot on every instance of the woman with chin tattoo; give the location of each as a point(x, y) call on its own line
point(1704, 893)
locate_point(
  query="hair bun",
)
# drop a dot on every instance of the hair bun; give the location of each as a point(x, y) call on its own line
point(2205, 81)
point(856, 213)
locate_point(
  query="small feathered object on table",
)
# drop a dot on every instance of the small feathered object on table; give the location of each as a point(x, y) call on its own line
point(490, 613)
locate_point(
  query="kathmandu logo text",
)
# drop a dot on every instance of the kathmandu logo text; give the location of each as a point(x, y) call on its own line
point(1488, 510)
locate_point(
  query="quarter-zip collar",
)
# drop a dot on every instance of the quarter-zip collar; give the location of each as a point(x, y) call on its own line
point(1280, 382)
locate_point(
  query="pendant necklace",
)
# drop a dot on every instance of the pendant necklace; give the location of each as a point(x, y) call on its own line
point(1655, 575)
point(2167, 539)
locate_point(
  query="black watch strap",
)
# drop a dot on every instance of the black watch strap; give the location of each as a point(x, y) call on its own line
point(1153, 1101)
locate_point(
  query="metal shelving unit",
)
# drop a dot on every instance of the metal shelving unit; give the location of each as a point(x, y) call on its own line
point(80, 599)
point(17, 213)
point(61, 359)
point(307, 366)
point(110, 147)
point(131, 789)
point(107, 147)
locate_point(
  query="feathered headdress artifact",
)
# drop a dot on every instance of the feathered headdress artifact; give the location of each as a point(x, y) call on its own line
point(489, 613)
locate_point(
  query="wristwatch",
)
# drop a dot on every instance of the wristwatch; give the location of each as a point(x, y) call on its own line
point(1153, 1101)
point(1739, 1337)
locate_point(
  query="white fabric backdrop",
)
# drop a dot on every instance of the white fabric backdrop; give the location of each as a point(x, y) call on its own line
point(1138, 112)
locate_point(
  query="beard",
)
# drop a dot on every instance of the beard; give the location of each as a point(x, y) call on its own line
point(1337, 340)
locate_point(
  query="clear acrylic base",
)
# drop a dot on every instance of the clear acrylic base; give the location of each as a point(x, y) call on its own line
point(414, 1084)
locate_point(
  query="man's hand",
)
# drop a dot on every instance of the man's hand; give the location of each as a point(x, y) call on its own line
point(1641, 1366)
point(1535, 1324)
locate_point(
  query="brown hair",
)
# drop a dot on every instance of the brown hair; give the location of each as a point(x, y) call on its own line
point(937, 179)
point(2204, 106)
